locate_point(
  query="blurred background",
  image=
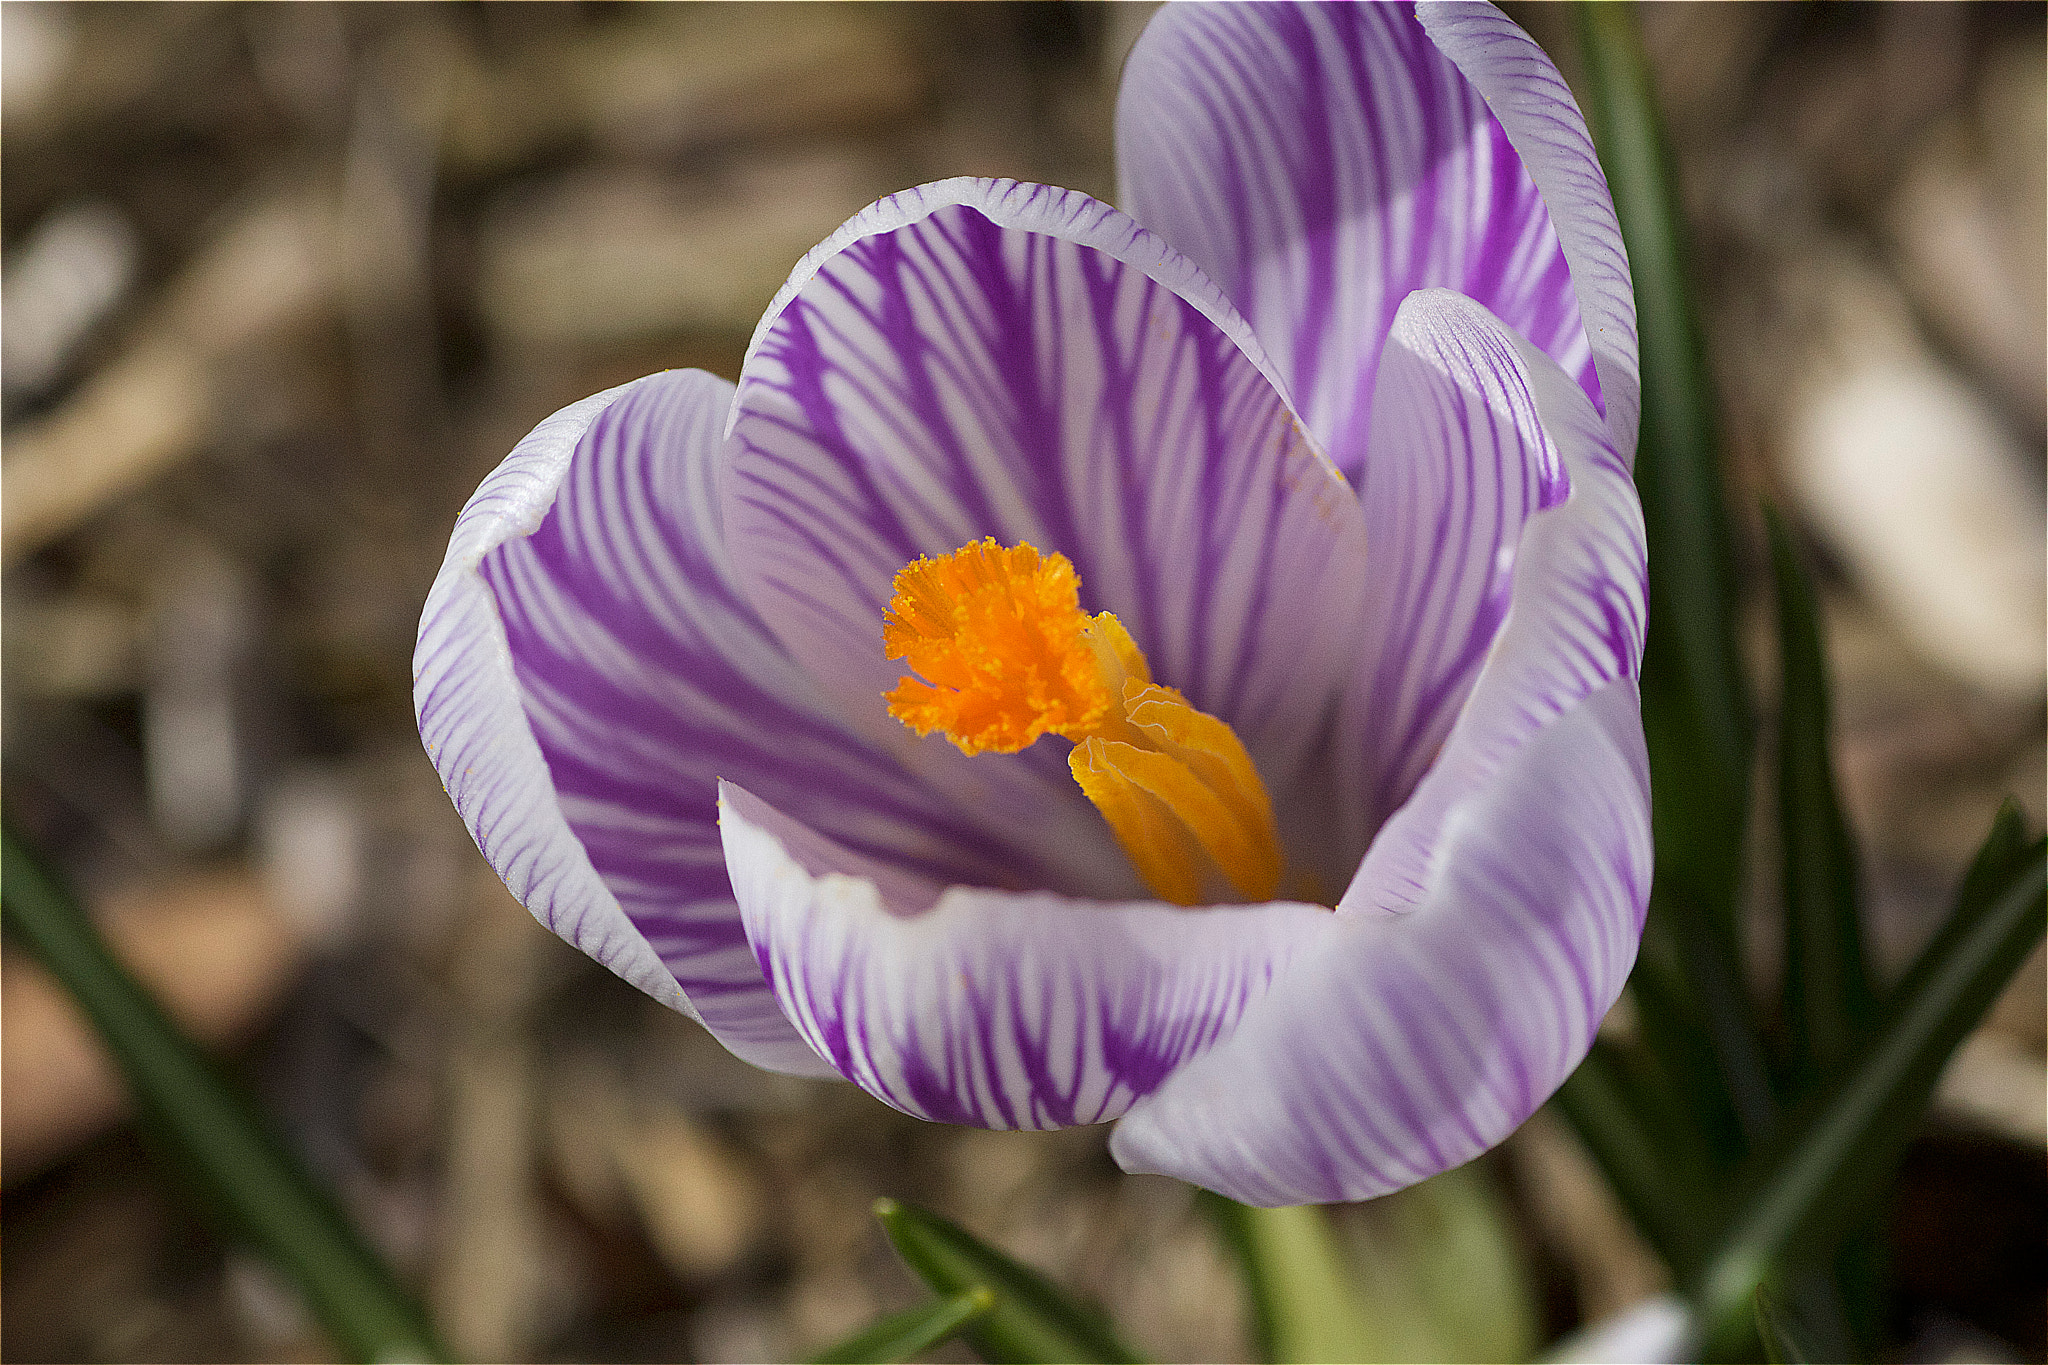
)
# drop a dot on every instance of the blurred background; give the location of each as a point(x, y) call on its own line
point(282, 283)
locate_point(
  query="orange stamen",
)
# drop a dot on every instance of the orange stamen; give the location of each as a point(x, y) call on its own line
point(1005, 655)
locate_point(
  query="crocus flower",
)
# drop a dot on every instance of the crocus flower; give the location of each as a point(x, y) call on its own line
point(1175, 665)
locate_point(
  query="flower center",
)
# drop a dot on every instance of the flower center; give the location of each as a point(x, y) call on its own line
point(1004, 654)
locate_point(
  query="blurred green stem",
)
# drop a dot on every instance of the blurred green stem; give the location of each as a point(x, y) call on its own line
point(217, 1134)
point(1304, 1307)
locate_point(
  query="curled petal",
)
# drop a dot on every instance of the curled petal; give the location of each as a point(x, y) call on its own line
point(1322, 161)
point(997, 1009)
point(471, 719)
point(1462, 679)
point(1405, 1045)
point(982, 358)
point(1459, 462)
point(1534, 106)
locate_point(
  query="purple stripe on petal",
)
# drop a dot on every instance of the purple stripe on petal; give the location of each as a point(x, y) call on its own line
point(588, 651)
point(650, 676)
point(1407, 1044)
point(1321, 162)
point(994, 1009)
point(991, 359)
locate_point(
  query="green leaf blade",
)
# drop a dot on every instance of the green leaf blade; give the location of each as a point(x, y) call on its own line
point(1652, 1159)
point(1696, 708)
point(218, 1137)
point(1828, 1000)
point(1839, 1155)
point(2001, 859)
point(902, 1336)
point(1032, 1319)
point(1696, 1018)
point(1695, 699)
point(1784, 1343)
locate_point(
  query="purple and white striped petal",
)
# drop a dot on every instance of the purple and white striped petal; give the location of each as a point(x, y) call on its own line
point(1496, 915)
point(1459, 463)
point(474, 725)
point(996, 1009)
point(1522, 88)
point(1321, 161)
point(981, 358)
point(1516, 586)
point(625, 673)
point(1408, 1044)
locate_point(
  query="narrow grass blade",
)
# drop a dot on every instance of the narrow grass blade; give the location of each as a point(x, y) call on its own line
point(1696, 707)
point(1838, 1156)
point(1032, 1320)
point(1304, 1306)
point(1696, 1015)
point(218, 1136)
point(1695, 700)
point(902, 1336)
point(2001, 859)
point(1829, 1003)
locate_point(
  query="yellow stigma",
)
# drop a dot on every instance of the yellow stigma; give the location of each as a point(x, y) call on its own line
point(1004, 655)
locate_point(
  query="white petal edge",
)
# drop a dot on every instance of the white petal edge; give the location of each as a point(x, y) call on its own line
point(1066, 214)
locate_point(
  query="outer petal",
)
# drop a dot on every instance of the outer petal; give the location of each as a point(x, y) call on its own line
point(475, 728)
point(1322, 161)
point(1497, 912)
point(586, 668)
point(1499, 413)
point(986, 358)
point(993, 1009)
point(1408, 1045)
